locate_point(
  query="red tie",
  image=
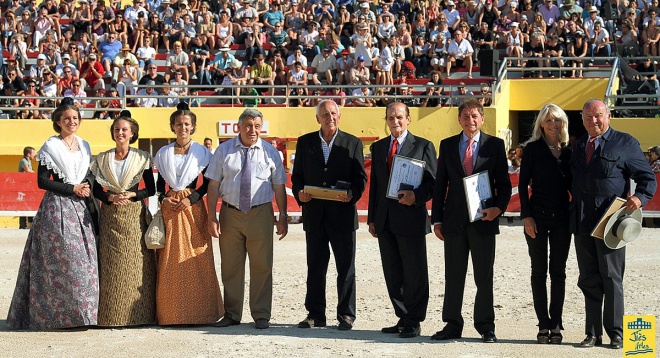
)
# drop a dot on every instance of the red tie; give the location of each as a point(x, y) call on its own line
point(591, 148)
point(467, 158)
point(390, 158)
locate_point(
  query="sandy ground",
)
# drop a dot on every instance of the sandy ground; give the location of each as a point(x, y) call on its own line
point(515, 318)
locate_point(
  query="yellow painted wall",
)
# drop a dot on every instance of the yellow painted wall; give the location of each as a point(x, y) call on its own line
point(570, 94)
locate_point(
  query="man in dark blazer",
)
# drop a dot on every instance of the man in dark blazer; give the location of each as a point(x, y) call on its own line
point(452, 225)
point(600, 174)
point(328, 158)
point(401, 225)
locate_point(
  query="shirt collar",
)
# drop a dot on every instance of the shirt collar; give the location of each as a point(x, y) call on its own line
point(400, 139)
point(239, 144)
point(333, 137)
point(464, 137)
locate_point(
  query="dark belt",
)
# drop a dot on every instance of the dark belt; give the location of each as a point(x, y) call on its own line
point(237, 209)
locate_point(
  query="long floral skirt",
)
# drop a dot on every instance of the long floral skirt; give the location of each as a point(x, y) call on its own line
point(187, 291)
point(57, 285)
point(127, 269)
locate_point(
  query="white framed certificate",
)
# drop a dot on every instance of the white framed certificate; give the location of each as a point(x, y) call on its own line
point(407, 171)
point(477, 191)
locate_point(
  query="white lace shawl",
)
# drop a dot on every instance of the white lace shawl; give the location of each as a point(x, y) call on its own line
point(54, 155)
point(197, 159)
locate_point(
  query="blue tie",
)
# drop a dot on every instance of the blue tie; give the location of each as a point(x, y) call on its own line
point(244, 202)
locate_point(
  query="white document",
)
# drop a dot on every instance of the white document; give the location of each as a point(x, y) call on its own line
point(477, 190)
point(404, 171)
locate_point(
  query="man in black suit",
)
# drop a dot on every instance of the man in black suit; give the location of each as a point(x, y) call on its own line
point(328, 158)
point(471, 151)
point(603, 162)
point(401, 225)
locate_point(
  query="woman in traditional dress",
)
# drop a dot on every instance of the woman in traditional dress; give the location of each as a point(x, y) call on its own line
point(127, 269)
point(187, 291)
point(57, 285)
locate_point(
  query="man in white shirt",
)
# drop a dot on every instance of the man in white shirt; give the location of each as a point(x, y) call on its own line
point(325, 67)
point(588, 23)
point(246, 172)
point(296, 56)
point(453, 16)
point(149, 97)
point(168, 98)
point(66, 62)
point(131, 13)
point(459, 50)
point(600, 43)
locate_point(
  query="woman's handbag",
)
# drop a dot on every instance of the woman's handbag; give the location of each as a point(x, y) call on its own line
point(154, 237)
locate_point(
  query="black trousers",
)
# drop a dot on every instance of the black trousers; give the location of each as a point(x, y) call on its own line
point(318, 257)
point(406, 274)
point(601, 282)
point(457, 251)
point(553, 232)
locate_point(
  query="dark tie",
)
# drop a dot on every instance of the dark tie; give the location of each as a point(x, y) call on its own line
point(591, 148)
point(246, 184)
point(390, 158)
point(468, 164)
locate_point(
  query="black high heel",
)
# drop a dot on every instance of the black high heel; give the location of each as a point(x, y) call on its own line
point(556, 338)
point(543, 338)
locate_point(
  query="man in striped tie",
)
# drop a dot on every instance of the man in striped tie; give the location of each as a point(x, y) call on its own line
point(462, 155)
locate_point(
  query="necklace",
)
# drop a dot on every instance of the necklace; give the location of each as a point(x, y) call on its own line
point(182, 146)
point(67, 144)
point(121, 156)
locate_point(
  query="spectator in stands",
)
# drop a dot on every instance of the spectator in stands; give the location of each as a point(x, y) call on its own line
point(224, 30)
point(14, 6)
point(108, 12)
point(337, 95)
point(308, 39)
point(651, 38)
point(120, 59)
point(189, 30)
point(37, 70)
point(9, 26)
point(325, 67)
point(66, 63)
point(168, 98)
point(18, 49)
point(276, 62)
point(559, 29)
point(589, 23)
point(421, 58)
point(48, 85)
point(92, 72)
point(362, 43)
point(550, 12)
point(297, 98)
point(8, 90)
point(81, 19)
point(236, 75)
point(484, 39)
point(651, 15)
point(553, 51)
point(31, 103)
point(278, 39)
point(178, 84)
point(452, 15)
point(534, 48)
point(250, 97)
point(400, 6)
point(206, 30)
point(131, 13)
point(177, 61)
point(577, 48)
point(568, 8)
point(109, 49)
point(65, 81)
point(296, 56)
point(649, 72)
point(293, 21)
point(627, 43)
point(148, 96)
point(41, 25)
point(460, 94)
point(654, 156)
point(370, 17)
point(361, 96)
point(262, 74)
point(173, 30)
point(127, 78)
point(221, 63)
point(8, 67)
point(459, 50)
point(360, 72)
point(77, 93)
point(600, 42)
point(487, 98)
point(386, 28)
point(430, 97)
point(344, 65)
point(489, 14)
point(254, 42)
point(272, 17)
point(297, 79)
point(146, 54)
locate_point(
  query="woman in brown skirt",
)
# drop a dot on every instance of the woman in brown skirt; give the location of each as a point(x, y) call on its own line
point(127, 267)
point(188, 291)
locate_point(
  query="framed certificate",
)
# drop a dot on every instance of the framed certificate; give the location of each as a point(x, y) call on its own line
point(318, 192)
point(407, 171)
point(477, 191)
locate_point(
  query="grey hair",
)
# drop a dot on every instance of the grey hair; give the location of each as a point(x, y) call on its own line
point(249, 114)
point(553, 110)
point(594, 100)
point(320, 105)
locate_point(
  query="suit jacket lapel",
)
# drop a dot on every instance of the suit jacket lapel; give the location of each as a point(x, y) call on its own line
point(408, 145)
point(339, 142)
point(455, 152)
point(483, 152)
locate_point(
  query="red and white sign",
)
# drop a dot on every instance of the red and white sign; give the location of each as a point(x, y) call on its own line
point(229, 128)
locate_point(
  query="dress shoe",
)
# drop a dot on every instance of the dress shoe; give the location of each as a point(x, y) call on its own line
point(410, 331)
point(591, 341)
point(261, 323)
point(556, 338)
point(345, 323)
point(310, 322)
point(445, 334)
point(616, 343)
point(226, 322)
point(394, 329)
point(489, 337)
